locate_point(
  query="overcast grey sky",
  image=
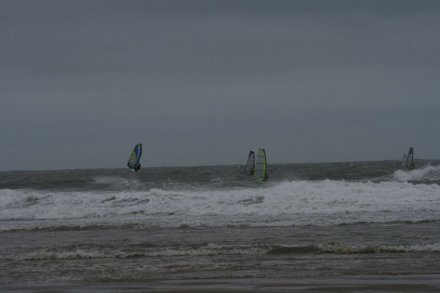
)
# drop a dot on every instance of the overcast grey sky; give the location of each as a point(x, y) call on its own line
point(202, 82)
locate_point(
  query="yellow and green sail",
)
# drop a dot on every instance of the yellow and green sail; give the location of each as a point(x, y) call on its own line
point(261, 165)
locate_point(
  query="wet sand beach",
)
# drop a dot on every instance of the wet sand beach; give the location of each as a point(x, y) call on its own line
point(373, 283)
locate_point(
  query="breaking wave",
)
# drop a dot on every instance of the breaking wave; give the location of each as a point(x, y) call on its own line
point(427, 173)
point(286, 203)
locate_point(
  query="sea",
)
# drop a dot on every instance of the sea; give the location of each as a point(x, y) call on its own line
point(168, 228)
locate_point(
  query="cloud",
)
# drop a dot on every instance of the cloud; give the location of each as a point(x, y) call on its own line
point(304, 77)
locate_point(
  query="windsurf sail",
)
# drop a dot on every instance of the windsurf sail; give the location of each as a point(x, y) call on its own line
point(261, 165)
point(403, 161)
point(135, 157)
point(408, 160)
point(409, 163)
point(250, 164)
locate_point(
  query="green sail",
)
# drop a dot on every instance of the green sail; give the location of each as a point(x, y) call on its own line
point(261, 165)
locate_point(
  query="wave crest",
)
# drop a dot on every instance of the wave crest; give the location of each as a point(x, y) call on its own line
point(285, 203)
point(427, 173)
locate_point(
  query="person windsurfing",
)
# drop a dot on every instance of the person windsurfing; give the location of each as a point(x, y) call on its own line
point(135, 157)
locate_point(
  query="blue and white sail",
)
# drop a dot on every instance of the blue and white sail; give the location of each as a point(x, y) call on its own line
point(135, 157)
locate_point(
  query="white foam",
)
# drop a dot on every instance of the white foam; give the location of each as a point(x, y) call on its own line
point(118, 182)
point(427, 173)
point(286, 203)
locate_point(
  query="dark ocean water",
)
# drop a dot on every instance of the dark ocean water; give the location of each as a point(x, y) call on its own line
point(332, 219)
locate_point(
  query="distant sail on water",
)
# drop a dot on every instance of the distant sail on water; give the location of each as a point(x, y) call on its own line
point(135, 157)
point(261, 165)
point(408, 159)
point(250, 164)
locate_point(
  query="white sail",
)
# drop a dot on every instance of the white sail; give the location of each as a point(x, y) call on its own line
point(408, 159)
point(403, 161)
